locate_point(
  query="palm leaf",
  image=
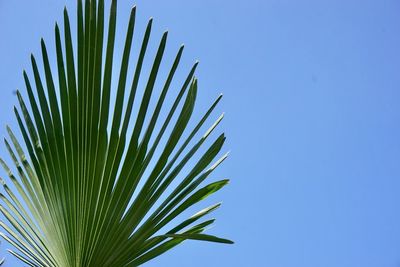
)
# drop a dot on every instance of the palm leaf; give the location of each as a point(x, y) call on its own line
point(90, 192)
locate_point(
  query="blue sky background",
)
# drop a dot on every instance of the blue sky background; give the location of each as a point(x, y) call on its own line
point(311, 95)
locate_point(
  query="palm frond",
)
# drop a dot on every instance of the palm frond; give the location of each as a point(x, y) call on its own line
point(90, 192)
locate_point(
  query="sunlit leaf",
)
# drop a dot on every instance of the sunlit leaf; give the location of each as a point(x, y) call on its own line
point(106, 182)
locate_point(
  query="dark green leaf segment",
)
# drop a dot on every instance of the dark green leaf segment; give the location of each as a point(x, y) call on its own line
point(105, 179)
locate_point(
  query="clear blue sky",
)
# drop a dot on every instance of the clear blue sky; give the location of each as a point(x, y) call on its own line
point(312, 101)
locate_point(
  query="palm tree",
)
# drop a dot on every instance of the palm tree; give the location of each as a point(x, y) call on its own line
point(90, 192)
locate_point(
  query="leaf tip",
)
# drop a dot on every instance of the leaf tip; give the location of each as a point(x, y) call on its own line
point(165, 35)
point(133, 12)
point(65, 11)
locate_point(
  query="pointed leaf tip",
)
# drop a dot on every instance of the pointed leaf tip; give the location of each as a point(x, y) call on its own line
point(165, 34)
point(19, 95)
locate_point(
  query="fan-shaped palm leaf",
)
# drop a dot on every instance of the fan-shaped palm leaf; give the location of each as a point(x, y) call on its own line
point(90, 192)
